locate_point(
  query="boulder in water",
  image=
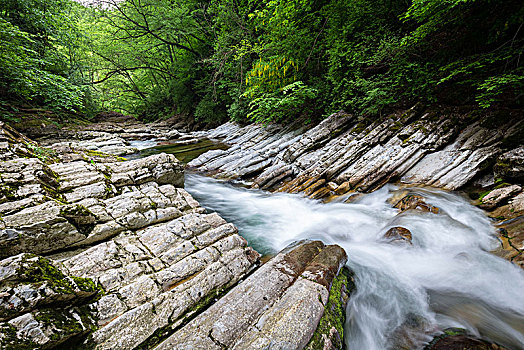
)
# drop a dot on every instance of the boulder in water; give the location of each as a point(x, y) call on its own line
point(413, 201)
point(457, 339)
point(398, 234)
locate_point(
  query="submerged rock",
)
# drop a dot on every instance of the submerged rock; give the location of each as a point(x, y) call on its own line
point(398, 234)
point(457, 339)
point(412, 201)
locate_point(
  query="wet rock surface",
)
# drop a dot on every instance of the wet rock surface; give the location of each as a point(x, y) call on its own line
point(505, 204)
point(398, 234)
point(458, 339)
point(415, 202)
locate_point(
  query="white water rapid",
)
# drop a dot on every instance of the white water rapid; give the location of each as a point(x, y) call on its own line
point(445, 279)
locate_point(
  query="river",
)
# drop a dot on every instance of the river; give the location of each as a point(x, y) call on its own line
point(446, 278)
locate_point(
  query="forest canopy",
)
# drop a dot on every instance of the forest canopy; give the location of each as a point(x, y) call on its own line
point(266, 61)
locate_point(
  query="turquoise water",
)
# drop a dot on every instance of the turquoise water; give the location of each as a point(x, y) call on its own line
point(184, 153)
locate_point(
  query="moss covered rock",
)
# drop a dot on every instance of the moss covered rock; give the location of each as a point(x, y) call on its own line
point(330, 331)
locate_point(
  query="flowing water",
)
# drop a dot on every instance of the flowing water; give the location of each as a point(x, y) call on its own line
point(446, 278)
point(183, 152)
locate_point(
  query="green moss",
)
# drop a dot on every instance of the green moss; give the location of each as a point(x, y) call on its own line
point(53, 193)
point(450, 332)
point(498, 184)
point(37, 270)
point(62, 324)
point(357, 129)
point(422, 128)
point(334, 312)
point(396, 126)
point(9, 339)
point(336, 132)
point(85, 284)
point(46, 155)
point(8, 192)
point(483, 194)
point(91, 153)
point(80, 217)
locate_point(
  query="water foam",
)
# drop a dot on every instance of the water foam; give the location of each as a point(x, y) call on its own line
point(446, 278)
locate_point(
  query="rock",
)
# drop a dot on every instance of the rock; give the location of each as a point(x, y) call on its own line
point(343, 188)
point(498, 196)
point(36, 304)
point(398, 234)
point(516, 204)
point(329, 334)
point(273, 306)
point(511, 234)
point(104, 143)
point(153, 278)
point(332, 186)
point(414, 148)
point(99, 211)
point(457, 339)
point(485, 181)
point(510, 165)
point(128, 228)
point(415, 202)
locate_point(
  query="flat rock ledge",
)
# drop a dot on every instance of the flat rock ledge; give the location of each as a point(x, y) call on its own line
point(101, 254)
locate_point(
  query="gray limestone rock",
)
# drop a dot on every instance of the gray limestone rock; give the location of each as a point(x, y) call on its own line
point(499, 195)
point(279, 305)
point(414, 148)
point(128, 228)
point(510, 165)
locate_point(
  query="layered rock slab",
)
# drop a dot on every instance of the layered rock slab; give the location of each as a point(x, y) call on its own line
point(278, 306)
point(155, 276)
point(342, 152)
point(128, 251)
point(84, 203)
point(41, 305)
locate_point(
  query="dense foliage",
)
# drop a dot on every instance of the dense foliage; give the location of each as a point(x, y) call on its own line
point(261, 60)
point(38, 42)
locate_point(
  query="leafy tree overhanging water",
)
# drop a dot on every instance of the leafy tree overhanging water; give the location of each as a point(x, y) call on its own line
point(260, 60)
